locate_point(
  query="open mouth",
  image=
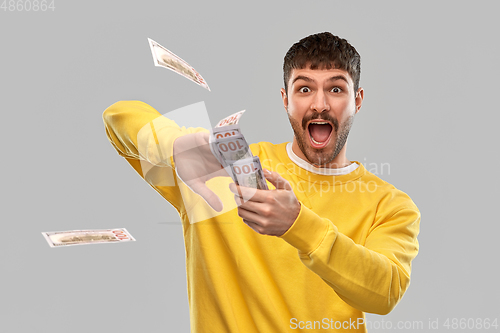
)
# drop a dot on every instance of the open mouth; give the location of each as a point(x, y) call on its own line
point(320, 132)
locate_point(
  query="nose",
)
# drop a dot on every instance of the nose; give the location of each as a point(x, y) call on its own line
point(320, 102)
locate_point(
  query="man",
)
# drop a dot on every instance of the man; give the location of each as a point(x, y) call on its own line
point(328, 243)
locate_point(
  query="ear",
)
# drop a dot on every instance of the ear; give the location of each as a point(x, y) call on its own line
point(360, 94)
point(284, 97)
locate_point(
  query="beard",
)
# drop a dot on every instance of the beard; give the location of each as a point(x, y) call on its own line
point(321, 157)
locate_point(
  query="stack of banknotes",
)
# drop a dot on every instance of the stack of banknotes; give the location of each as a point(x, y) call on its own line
point(231, 149)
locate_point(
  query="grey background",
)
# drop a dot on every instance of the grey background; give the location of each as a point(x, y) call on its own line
point(430, 74)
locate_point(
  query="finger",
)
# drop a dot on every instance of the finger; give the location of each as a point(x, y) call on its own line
point(208, 195)
point(195, 173)
point(247, 193)
point(239, 201)
point(250, 206)
point(254, 226)
point(279, 182)
point(236, 189)
point(249, 216)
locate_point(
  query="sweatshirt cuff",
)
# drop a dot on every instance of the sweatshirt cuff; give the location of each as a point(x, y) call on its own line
point(307, 232)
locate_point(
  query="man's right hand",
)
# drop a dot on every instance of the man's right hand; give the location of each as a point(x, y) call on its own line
point(195, 164)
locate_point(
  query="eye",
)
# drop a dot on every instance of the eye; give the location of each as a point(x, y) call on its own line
point(336, 90)
point(304, 90)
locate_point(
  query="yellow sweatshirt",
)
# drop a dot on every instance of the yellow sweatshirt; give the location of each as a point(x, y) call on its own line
point(348, 252)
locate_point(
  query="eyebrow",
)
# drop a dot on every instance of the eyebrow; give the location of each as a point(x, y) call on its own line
point(308, 79)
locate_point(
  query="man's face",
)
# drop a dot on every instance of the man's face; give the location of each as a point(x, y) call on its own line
point(321, 105)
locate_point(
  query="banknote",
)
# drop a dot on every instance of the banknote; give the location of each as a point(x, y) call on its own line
point(226, 131)
point(233, 148)
point(224, 128)
point(231, 120)
point(248, 172)
point(80, 237)
point(165, 58)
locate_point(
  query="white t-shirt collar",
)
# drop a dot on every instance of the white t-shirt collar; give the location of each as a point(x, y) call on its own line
point(321, 171)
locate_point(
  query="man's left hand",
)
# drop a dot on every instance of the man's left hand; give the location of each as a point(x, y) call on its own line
point(268, 212)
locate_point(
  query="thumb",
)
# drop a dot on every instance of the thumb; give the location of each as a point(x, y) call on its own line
point(279, 182)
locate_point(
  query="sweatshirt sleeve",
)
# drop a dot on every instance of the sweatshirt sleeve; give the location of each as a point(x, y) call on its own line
point(145, 138)
point(133, 129)
point(372, 277)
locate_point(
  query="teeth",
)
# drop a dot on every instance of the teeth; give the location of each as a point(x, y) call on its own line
point(316, 142)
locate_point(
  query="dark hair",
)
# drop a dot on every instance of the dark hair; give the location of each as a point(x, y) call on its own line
point(323, 51)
